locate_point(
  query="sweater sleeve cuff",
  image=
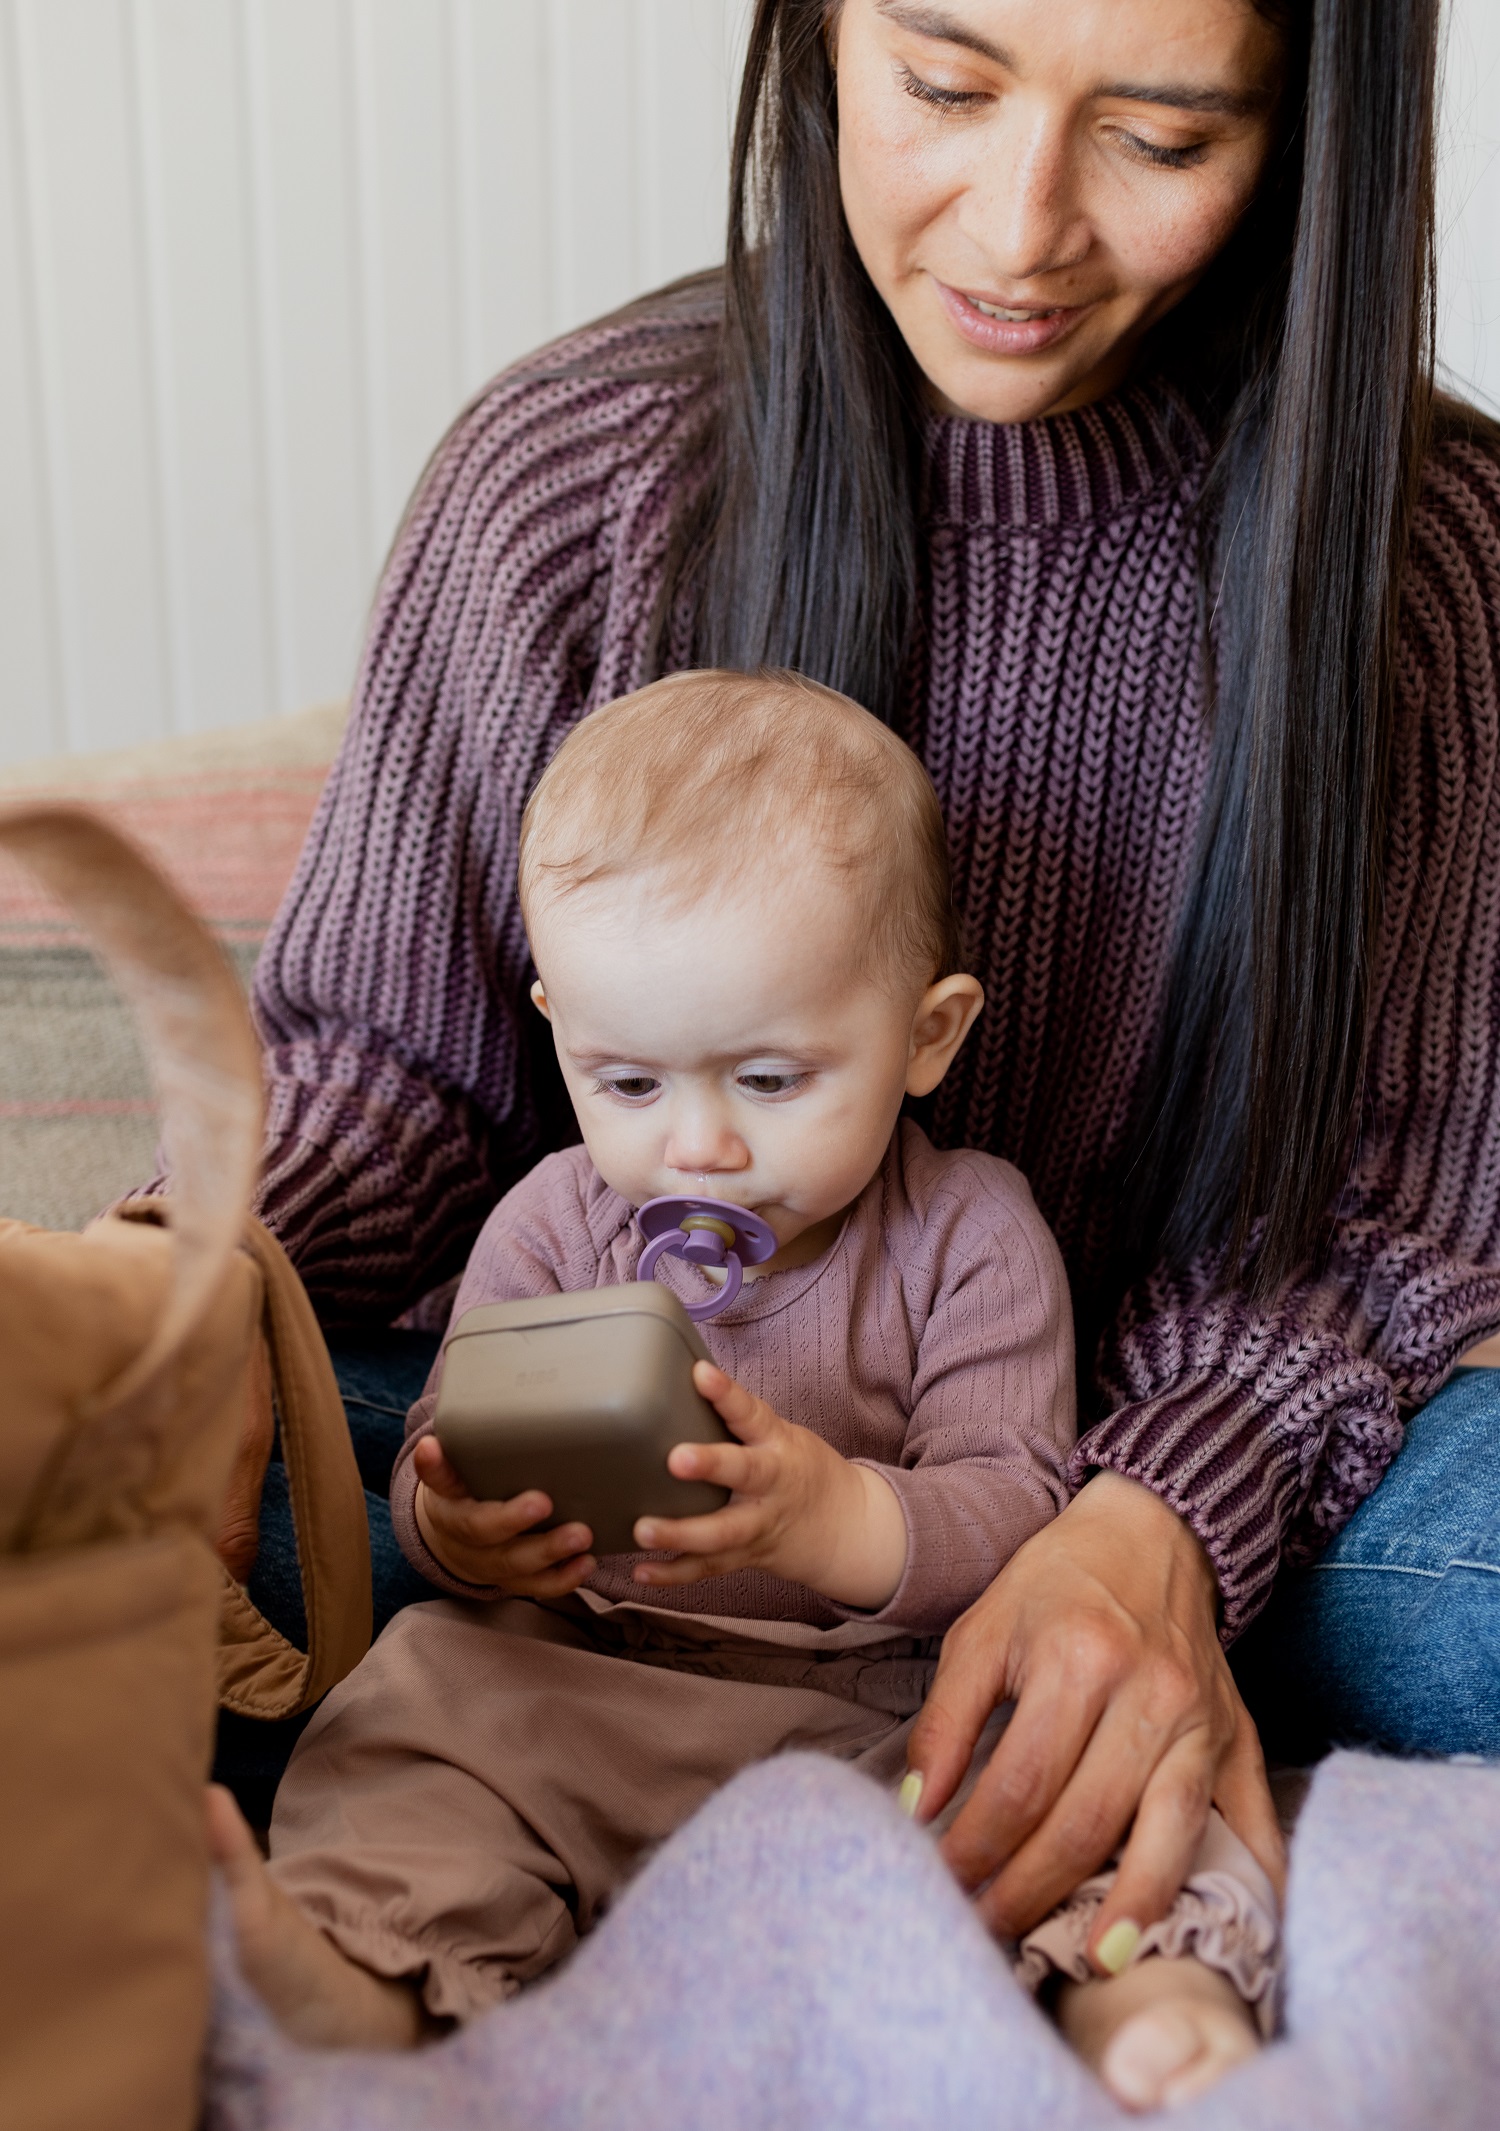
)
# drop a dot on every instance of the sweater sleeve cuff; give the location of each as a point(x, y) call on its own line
point(1202, 1448)
point(373, 1181)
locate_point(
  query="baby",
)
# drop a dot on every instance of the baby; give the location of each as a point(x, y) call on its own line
point(736, 890)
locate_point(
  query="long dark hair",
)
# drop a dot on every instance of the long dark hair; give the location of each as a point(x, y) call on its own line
point(1308, 347)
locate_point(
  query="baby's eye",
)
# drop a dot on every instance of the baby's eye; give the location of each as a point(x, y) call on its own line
point(770, 1083)
point(630, 1087)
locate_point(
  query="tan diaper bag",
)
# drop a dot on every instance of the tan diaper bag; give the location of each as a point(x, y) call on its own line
point(124, 1354)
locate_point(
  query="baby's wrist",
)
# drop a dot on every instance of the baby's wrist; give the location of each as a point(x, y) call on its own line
point(865, 1556)
point(885, 1543)
point(432, 1539)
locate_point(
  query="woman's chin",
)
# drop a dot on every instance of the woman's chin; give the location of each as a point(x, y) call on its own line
point(1082, 363)
point(1018, 388)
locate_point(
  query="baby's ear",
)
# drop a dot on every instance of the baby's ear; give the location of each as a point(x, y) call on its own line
point(539, 1000)
point(945, 1014)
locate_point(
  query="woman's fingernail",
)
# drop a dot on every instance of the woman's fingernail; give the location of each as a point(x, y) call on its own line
point(909, 1797)
point(1116, 1950)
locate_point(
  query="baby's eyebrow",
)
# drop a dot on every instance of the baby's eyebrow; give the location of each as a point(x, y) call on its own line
point(595, 1061)
point(758, 1054)
point(790, 1054)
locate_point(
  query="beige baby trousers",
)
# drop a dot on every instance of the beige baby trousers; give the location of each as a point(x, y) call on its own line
point(465, 1804)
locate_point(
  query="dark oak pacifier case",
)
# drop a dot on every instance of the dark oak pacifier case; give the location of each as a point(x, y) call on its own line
point(582, 1396)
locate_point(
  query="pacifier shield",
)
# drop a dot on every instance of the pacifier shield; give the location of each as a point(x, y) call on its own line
point(754, 1239)
point(705, 1232)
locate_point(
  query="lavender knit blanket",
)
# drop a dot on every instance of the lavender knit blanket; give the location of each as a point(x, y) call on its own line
point(796, 1959)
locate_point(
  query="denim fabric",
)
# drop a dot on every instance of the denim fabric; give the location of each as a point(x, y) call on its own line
point(379, 1377)
point(1392, 1637)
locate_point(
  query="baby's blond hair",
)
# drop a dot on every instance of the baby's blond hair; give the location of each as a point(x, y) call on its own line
point(702, 775)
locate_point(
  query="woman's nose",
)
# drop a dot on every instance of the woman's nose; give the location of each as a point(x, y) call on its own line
point(1023, 212)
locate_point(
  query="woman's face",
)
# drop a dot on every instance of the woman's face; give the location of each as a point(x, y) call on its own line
point(1031, 184)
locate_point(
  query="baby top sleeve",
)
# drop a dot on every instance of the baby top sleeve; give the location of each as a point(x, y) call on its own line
point(992, 1403)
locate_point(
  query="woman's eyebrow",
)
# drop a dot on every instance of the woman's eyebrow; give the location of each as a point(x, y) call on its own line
point(932, 22)
point(1182, 96)
point(1176, 96)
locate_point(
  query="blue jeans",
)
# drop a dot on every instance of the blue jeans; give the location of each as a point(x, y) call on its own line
point(379, 1376)
point(1392, 1637)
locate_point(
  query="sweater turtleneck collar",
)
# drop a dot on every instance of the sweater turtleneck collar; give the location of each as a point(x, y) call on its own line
point(1063, 469)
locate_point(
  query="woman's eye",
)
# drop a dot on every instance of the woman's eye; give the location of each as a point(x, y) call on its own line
point(1164, 158)
point(630, 1087)
point(928, 92)
point(770, 1083)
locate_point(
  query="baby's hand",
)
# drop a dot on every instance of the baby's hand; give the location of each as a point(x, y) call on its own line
point(797, 1508)
point(482, 1542)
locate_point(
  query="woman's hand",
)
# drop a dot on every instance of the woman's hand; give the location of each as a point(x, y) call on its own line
point(797, 1508)
point(493, 1542)
point(1102, 1631)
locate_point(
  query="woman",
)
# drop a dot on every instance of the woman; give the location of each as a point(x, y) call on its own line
point(1065, 399)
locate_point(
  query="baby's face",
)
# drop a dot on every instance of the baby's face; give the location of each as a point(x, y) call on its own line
point(736, 1049)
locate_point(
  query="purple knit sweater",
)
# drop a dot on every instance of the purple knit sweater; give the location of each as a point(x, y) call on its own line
point(1058, 706)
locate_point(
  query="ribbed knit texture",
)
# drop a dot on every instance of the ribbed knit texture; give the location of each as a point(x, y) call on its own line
point(1059, 706)
point(933, 1341)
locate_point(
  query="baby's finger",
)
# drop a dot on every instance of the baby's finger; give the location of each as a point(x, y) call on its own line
point(433, 1470)
point(687, 1568)
point(540, 1551)
point(751, 1419)
point(557, 1582)
point(494, 1523)
point(724, 1464)
point(721, 1531)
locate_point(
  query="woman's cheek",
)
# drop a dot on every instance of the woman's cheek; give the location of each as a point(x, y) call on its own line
point(894, 184)
point(1165, 244)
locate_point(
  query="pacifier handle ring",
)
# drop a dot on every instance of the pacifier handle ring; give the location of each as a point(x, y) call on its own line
point(656, 1248)
point(733, 1281)
point(734, 1276)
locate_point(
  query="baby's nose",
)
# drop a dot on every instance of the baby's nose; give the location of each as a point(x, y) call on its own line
point(700, 1148)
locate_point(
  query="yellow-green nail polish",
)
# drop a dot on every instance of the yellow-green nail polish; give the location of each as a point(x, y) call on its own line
point(909, 1797)
point(1116, 1950)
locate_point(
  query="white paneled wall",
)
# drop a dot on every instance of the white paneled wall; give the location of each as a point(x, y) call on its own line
point(1469, 200)
point(255, 253)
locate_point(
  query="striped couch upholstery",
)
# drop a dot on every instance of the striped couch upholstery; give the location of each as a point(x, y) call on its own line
point(225, 816)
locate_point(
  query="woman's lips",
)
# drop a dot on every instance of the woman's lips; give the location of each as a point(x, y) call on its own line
point(1025, 335)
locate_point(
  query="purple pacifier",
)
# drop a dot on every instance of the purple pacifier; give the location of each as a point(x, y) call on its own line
point(707, 1232)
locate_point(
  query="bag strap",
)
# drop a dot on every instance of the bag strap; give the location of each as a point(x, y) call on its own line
point(205, 1068)
point(261, 1673)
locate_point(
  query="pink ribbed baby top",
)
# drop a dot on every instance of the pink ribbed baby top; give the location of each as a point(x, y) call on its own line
point(932, 1340)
